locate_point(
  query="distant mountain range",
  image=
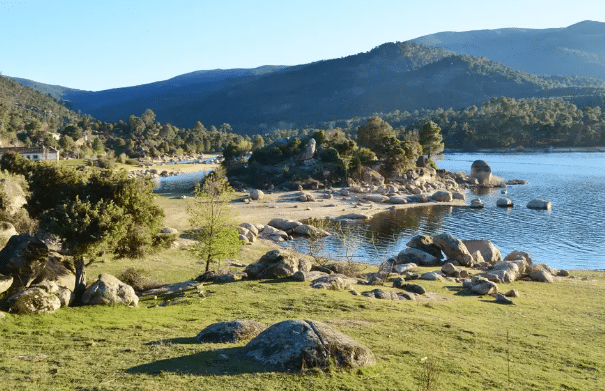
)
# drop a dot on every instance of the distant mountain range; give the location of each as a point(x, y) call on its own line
point(440, 70)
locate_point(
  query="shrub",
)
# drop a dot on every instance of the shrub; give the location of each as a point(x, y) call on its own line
point(137, 279)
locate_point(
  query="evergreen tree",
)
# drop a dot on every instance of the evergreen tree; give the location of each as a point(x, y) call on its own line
point(431, 139)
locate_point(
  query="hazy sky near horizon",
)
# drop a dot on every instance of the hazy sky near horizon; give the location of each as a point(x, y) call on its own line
point(95, 45)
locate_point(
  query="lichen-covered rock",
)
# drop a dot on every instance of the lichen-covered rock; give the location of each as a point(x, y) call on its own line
point(274, 264)
point(33, 300)
point(230, 331)
point(109, 290)
point(335, 282)
point(293, 345)
point(257, 195)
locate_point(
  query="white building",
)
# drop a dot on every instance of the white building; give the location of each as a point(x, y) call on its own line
point(34, 153)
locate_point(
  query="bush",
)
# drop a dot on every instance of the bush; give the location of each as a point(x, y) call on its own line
point(137, 279)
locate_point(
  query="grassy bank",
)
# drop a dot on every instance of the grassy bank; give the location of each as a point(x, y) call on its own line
point(552, 338)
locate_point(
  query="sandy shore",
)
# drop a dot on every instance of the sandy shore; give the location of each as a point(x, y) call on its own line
point(287, 205)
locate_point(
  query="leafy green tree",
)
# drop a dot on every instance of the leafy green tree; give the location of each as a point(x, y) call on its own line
point(210, 217)
point(431, 139)
point(373, 135)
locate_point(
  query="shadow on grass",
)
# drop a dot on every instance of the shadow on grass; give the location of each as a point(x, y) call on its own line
point(174, 341)
point(221, 362)
point(278, 280)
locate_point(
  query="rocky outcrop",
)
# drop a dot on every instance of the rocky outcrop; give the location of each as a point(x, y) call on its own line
point(419, 257)
point(442, 196)
point(110, 290)
point(230, 331)
point(293, 345)
point(481, 171)
point(29, 260)
point(276, 264)
point(425, 243)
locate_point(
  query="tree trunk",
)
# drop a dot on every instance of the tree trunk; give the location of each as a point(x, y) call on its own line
point(80, 281)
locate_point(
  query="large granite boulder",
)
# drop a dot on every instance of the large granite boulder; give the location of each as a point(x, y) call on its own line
point(454, 249)
point(34, 300)
point(276, 264)
point(481, 171)
point(6, 231)
point(505, 272)
point(286, 225)
point(309, 151)
point(110, 290)
point(273, 234)
point(257, 195)
point(12, 195)
point(476, 203)
point(5, 282)
point(293, 345)
point(425, 243)
point(419, 257)
point(29, 260)
point(488, 251)
point(231, 331)
point(504, 203)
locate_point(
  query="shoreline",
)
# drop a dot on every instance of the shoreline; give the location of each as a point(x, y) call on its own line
point(544, 150)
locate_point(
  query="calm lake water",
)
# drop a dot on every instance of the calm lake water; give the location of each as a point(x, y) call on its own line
point(178, 183)
point(571, 235)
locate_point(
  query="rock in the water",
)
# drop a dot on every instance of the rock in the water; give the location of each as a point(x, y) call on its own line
point(516, 182)
point(335, 282)
point(481, 171)
point(504, 203)
point(454, 249)
point(476, 203)
point(488, 251)
point(274, 264)
point(109, 290)
point(274, 234)
point(33, 300)
point(309, 230)
point(293, 345)
point(231, 331)
point(458, 196)
point(539, 204)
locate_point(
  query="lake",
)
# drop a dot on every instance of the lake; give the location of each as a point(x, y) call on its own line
point(570, 236)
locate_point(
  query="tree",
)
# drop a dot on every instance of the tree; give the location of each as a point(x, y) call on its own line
point(431, 139)
point(210, 216)
point(373, 135)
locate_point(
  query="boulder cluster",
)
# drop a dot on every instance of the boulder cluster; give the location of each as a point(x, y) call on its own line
point(39, 279)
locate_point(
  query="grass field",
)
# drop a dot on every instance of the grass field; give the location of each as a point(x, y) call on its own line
point(553, 338)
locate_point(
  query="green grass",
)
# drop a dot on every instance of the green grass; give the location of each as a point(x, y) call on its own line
point(556, 337)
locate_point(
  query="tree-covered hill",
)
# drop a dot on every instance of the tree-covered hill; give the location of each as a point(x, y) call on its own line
point(577, 50)
point(30, 113)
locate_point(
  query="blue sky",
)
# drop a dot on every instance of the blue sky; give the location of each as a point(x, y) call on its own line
point(103, 44)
